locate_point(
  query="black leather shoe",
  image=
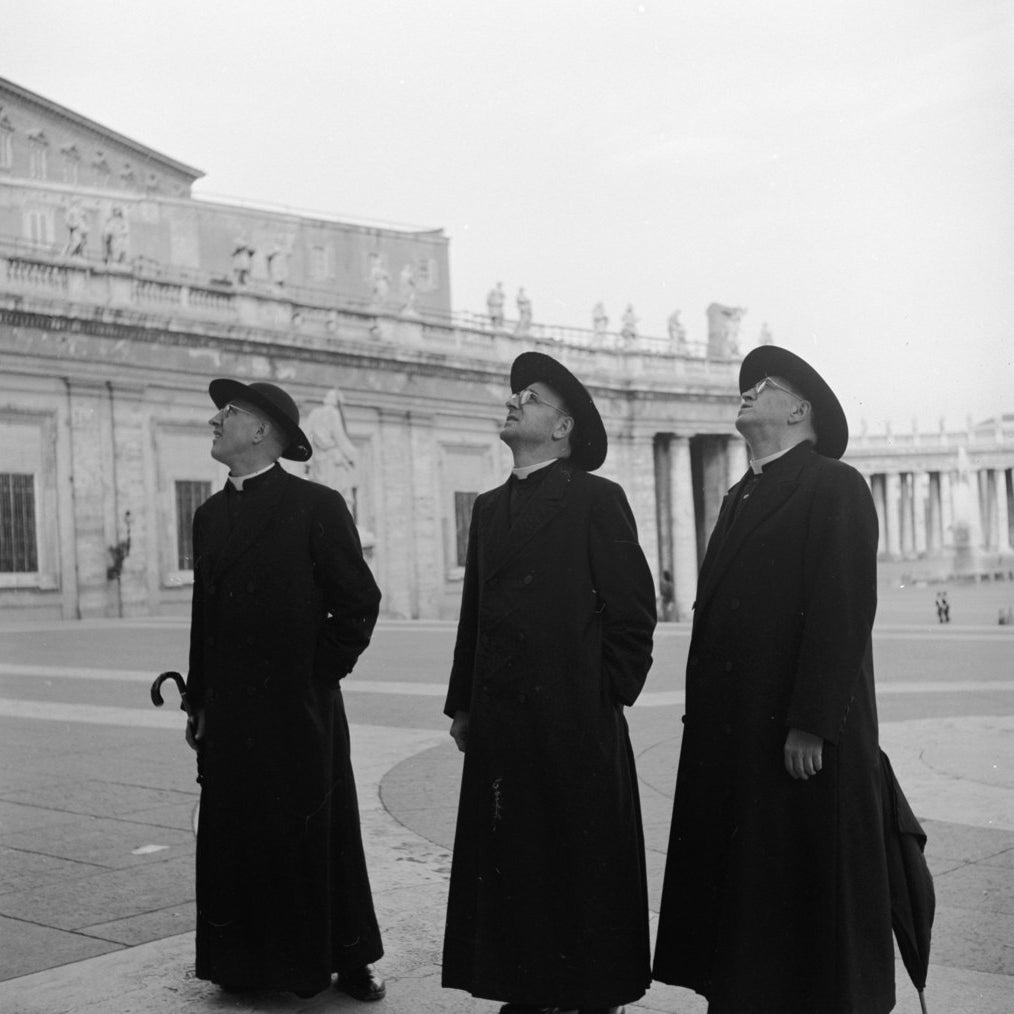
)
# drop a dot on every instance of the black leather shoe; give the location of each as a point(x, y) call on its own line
point(362, 984)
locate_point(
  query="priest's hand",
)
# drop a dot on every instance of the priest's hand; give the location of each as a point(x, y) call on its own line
point(459, 729)
point(195, 729)
point(803, 753)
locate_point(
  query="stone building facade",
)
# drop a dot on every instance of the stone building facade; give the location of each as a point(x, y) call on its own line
point(116, 313)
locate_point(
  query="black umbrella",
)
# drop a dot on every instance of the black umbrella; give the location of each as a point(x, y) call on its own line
point(912, 897)
point(156, 699)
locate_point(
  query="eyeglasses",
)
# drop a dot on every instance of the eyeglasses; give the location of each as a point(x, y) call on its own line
point(768, 382)
point(231, 409)
point(519, 398)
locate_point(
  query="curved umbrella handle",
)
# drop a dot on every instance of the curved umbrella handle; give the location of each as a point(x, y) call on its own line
point(156, 690)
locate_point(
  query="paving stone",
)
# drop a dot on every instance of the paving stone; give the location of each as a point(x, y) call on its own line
point(25, 871)
point(980, 939)
point(104, 896)
point(140, 929)
point(178, 816)
point(100, 799)
point(107, 843)
point(16, 816)
point(976, 887)
point(23, 942)
point(945, 840)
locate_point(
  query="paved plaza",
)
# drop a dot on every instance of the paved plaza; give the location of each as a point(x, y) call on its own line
point(97, 798)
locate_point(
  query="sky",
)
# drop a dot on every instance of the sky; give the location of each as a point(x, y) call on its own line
point(844, 171)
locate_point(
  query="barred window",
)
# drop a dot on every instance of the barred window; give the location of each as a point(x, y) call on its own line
point(190, 494)
point(462, 517)
point(19, 553)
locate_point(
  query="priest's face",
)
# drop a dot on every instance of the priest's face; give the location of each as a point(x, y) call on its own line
point(233, 428)
point(535, 416)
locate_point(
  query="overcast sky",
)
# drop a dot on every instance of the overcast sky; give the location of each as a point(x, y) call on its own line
point(843, 170)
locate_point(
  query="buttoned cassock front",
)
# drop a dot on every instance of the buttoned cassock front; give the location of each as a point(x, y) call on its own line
point(775, 896)
point(283, 605)
point(548, 899)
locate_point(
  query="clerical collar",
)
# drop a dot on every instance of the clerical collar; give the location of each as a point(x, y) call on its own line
point(238, 480)
point(523, 471)
point(757, 464)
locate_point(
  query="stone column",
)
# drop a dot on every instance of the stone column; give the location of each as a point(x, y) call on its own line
point(424, 516)
point(920, 497)
point(879, 492)
point(946, 510)
point(934, 530)
point(738, 456)
point(905, 514)
point(684, 526)
point(638, 452)
point(395, 532)
point(892, 515)
point(1002, 514)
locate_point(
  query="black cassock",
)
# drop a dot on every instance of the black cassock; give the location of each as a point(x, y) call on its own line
point(283, 605)
point(548, 901)
point(775, 895)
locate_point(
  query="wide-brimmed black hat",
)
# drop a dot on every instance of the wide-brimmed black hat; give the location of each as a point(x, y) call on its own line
point(588, 441)
point(772, 361)
point(274, 403)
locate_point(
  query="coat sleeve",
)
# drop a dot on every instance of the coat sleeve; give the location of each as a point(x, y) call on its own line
point(195, 674)
point(459, 690)
point(840, 599)
point(351, 595)
point(626, 593)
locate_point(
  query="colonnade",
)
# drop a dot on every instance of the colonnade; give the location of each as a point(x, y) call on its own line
point(925, 513)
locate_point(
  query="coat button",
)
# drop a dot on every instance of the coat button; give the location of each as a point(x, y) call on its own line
point(211, 589)
point(522, 698)
point(693, 661)
point(727, 729)
point(528, 578)
point(727, 667)
point(734, 604)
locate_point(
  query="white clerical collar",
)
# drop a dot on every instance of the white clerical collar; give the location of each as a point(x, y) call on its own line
point(523, 471)
point(238, 480)
point(757, 464)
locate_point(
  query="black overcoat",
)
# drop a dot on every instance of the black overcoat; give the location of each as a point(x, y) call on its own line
point(283, 605)
point(775, 895)
point(548, 899)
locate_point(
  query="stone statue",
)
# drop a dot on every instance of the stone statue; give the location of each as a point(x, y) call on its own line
point(966, 531)
point(723, 330)
point(677, 332)
point(77, 230)
point(407, 289)
point(115, 237)
point(765, 337)
point(494, 305)
point(334, 455)
point(278, 264)
point(524, 312)
point(628, 332)
point(600, 322)
point(242, 260)
point(380, 280)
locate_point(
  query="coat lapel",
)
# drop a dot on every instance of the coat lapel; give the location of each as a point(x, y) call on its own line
point(253, 520)
point(546, 502)
point(774, 488)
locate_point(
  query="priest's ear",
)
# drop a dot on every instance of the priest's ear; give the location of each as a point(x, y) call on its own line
point(564, 428)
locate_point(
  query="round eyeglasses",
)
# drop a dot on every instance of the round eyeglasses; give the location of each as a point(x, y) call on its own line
point(768, 382)
point(519, 398)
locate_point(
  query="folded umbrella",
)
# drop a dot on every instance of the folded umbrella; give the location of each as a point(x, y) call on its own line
point(913, 899)
point(157, 700)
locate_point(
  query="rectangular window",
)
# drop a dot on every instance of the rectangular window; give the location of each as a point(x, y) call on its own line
point(462, 518)
point(190, 494)
point(38, 163)
point(19, 553)
point(70, 170)
point(40, 228)
point(320, 262)
point(6, 148)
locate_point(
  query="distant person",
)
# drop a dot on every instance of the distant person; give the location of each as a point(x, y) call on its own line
point(945, 607)
point(548, 904)
point(283, 605)
point(667, 594)
point(775, 897)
